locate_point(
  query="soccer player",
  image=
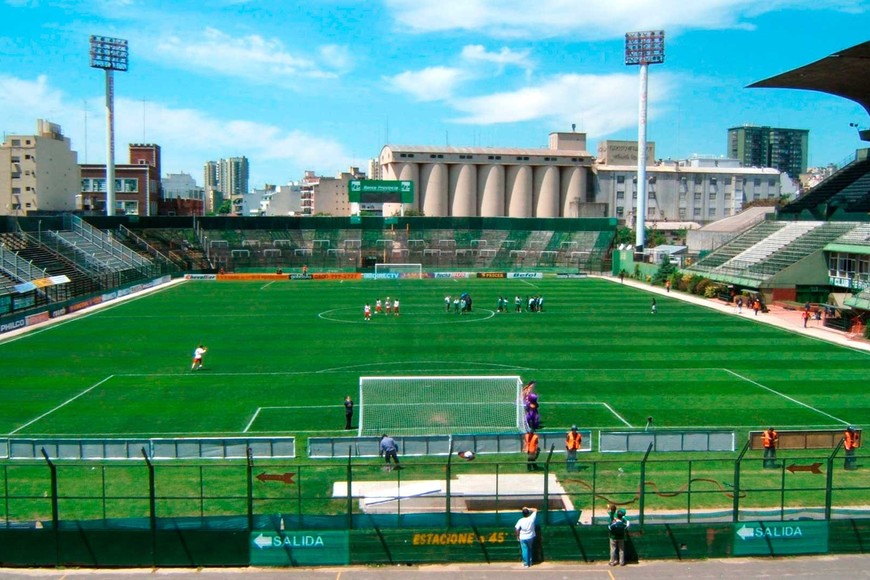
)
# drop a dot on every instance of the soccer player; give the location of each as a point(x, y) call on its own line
point(396, 307)
point(388, 305)
point(197, 357)
point(367, 312)
point(378, 307)
point(447, 302)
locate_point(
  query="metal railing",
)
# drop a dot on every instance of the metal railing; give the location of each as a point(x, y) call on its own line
point(797, 486)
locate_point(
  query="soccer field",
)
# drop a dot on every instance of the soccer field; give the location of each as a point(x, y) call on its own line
point(283, 355)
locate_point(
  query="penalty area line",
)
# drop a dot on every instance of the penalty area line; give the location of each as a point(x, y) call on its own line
point(65, 403)
point(602, 403)
point(784, 396)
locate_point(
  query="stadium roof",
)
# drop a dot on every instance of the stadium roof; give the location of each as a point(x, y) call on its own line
point(845, 73)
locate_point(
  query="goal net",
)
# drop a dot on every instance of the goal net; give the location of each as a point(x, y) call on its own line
point(403, 270)
point(440, 405)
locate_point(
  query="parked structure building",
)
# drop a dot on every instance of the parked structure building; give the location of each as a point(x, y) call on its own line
point(494, 182)
point(783, 149)
point(137, 183)
point(38, 172)
point(565, 181)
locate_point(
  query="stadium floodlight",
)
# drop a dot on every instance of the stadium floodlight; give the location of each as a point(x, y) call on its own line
point(109, 54)
point(644, 49)
point(440, 405)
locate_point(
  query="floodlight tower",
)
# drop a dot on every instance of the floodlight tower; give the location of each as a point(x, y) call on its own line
point(109, 54)
point(644, 49)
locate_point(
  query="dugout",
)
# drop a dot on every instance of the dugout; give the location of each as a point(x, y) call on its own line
point(802, 439)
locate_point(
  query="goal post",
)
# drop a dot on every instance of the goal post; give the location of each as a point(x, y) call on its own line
point(403, 270)
point(440, 405)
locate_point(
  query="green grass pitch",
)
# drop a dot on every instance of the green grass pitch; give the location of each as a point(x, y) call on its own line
point(282, 356)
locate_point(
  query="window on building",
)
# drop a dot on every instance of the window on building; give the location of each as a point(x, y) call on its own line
point(16, 191)
point(620, 195)
point(682, 213)
point(712, 196)
point(771, 182)
point(15, 159)
point(711, 212)
point(620, 179)
point(757, 182)
point(651, 212)
point(696, 212)
point(727, 196)
point(697, 196)
point(727, 181)
point(620, 211)
point(726, 211)
point(699, 180)
point(16, 142)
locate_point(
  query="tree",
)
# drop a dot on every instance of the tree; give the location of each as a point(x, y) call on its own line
point(665, 271)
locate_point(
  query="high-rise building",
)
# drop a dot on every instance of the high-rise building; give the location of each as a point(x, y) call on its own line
point(783, 149)
point(225, 179)
point(38, 172)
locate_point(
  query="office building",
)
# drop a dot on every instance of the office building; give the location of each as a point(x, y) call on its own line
point(38, 172)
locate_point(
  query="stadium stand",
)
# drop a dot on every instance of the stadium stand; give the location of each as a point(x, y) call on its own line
point(845, 195)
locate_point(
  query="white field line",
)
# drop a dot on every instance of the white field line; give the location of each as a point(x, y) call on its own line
point(65, 403)
point(267, 285)
point(784, 396)
point(603, 404)
point(254, 418)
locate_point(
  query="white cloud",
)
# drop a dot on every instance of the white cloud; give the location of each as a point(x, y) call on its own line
point(188, 137)
point(599, 104)
point(23, 100)
point(253, 57)
point(429, 84)
point(474, 53)
point(611, 19)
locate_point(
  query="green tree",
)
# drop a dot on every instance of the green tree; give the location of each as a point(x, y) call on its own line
point(665, 271)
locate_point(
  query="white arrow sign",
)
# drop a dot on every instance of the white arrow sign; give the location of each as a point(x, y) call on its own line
point(745, 532)
point(262, 541)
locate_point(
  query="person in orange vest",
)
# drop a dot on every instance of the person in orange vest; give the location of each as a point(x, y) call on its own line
point(850, 443)
point(572, 446)
point(532, 449)
point(770, 439)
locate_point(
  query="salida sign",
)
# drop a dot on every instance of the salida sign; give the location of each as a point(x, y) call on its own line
point(780, 538)
point(300, 548)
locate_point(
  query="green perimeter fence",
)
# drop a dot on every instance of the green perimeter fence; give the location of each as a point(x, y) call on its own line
point(280, 512)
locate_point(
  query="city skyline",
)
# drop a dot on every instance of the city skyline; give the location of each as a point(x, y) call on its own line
point(324, 85)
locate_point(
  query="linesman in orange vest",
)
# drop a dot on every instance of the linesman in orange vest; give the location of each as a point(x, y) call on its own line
point(572, 446)
point(532, 449)
point(770, 439)
point(850, 443)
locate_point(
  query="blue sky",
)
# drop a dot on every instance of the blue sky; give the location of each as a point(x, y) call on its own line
point(324, 84)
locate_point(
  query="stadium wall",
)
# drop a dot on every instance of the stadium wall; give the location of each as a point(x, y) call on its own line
point(176, 546)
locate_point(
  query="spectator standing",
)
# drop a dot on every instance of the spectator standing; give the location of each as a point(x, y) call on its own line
point(532, 449)
point(572, 445)
point(850, 443)
point(525, 531)
point(617, 530)
point(770, 439)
